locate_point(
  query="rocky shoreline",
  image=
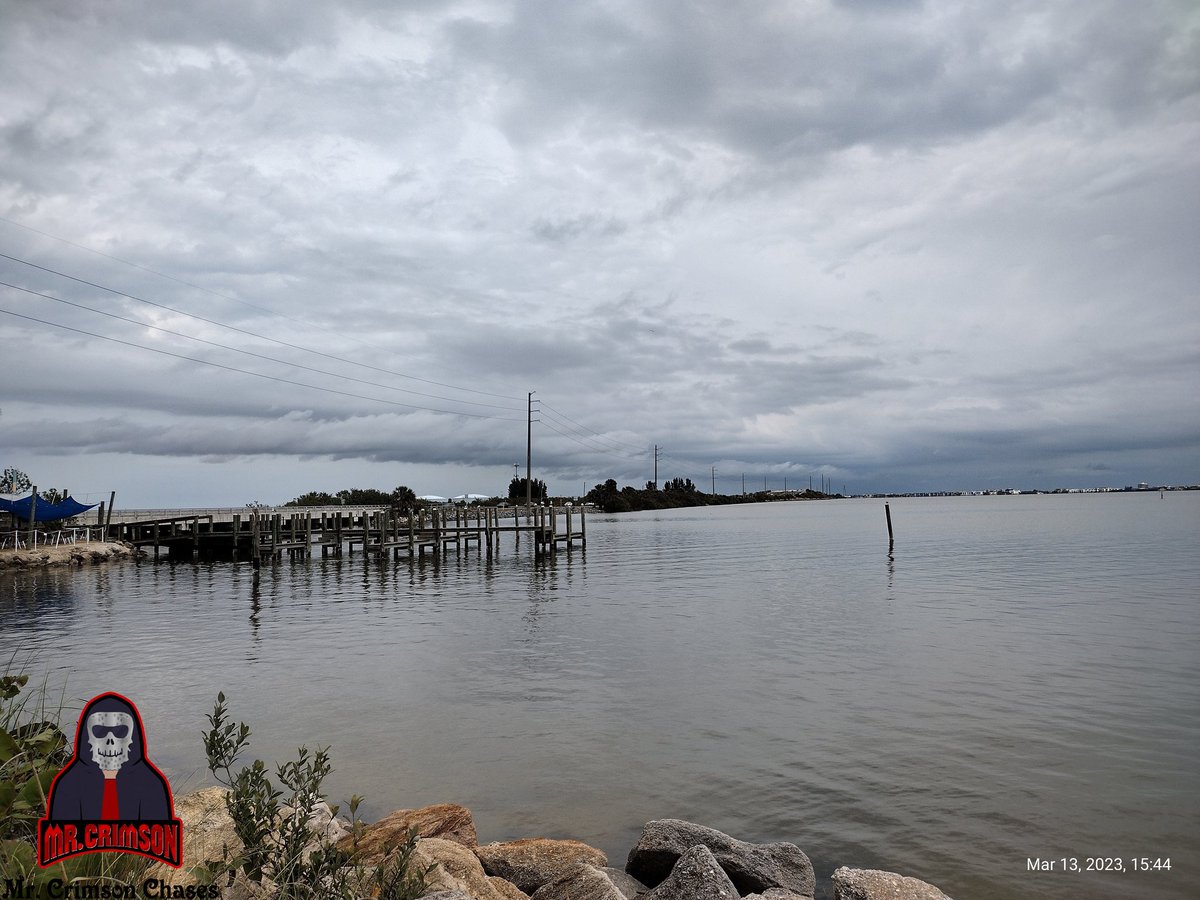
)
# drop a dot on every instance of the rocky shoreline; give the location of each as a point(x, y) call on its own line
point(672, 860)
point(77, 555)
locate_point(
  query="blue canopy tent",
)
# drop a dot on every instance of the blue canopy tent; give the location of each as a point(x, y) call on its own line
point(46, 511)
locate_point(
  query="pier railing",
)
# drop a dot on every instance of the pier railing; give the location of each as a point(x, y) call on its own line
point(255, 534)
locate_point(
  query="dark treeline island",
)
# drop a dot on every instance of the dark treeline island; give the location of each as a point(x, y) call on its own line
point(679, 492)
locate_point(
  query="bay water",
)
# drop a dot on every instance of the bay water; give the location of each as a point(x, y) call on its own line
point(1019, 681)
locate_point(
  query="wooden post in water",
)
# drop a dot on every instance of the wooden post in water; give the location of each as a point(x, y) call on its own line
point(255, 558)
point(582, 528)
point(112, 501)
point(237, 528)
point(887, 511)
point(31, 541)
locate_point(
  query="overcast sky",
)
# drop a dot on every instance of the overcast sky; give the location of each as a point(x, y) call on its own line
point(905, 245)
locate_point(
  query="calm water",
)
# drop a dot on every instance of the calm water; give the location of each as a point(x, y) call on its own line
point(1021, 680)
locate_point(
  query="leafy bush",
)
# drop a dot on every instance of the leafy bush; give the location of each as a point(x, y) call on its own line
point(279, 842)
point(396, 878)
point(32, 750)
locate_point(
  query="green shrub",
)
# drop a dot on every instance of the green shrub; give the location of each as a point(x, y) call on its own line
point(273, 825)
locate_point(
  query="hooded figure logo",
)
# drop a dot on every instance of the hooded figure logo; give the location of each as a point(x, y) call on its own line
point(110, 780)
point(110, 746)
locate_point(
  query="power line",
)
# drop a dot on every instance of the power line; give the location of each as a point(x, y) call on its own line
point(581, 441)
point(205, 362)
point(158, 274)
point(273, 359)
point(583, 435)
point(265, 309)
point(616, 448)
point(253, 334)
point(561, 415)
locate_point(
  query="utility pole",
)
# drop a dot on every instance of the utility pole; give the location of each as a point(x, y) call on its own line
point(529, 456)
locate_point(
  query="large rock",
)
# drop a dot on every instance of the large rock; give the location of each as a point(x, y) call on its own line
point(588, 882)
point(873, 884)
point(624, 882)
point(325, 826)
point(753, 868)
point(457, 869)
point(448, 821)
point(208, 834)
point(533, 862)
point(696, 876)
point(507, 888)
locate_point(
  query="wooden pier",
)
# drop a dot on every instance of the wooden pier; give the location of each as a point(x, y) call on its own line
point(254, 535)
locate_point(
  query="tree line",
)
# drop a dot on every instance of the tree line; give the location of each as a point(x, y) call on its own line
point(679, 492)
point(401, 497)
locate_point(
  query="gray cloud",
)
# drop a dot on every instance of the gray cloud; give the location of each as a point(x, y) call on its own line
point(902, 244)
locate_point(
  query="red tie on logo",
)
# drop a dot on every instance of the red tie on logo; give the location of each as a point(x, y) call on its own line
point(108, 807)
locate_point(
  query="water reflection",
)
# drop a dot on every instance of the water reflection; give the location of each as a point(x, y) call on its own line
point(255, 615)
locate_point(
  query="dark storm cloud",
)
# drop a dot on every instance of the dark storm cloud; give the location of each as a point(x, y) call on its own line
point(898, 241)
point(778, 80)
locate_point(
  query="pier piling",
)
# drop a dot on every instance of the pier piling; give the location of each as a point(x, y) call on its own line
point(255, 534)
